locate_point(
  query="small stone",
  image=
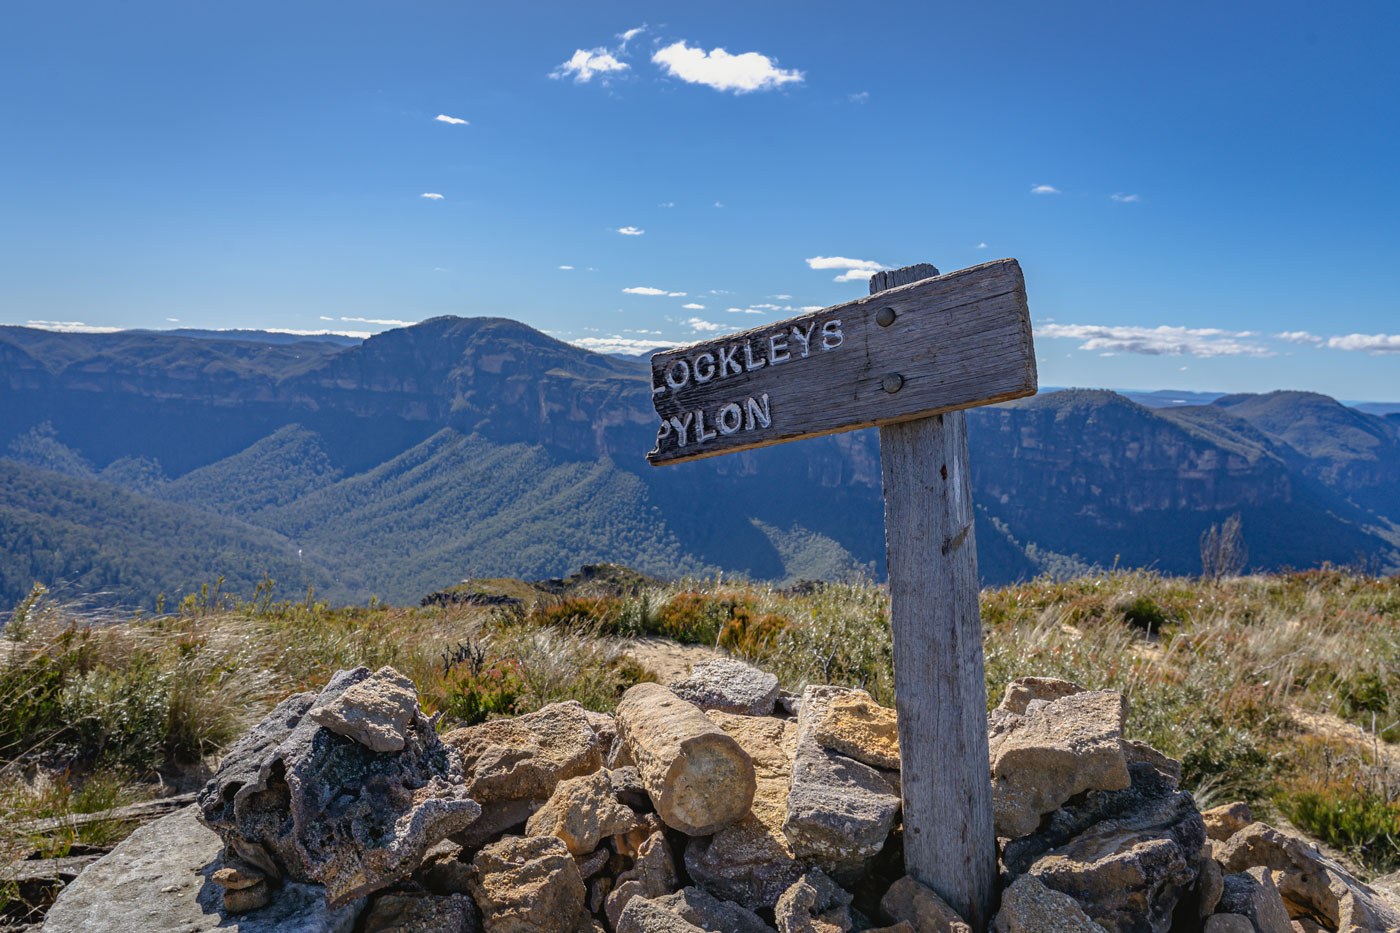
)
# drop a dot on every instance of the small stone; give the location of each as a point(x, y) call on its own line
point(653, 875)
point(527, 884)
point(236, 875)
point(629, 790)
point(1021, 691)
point(242, 900)
point(917, 904)
point(443, 872)
point(1224, 821)
point(590, 865)
point(629, 844)
point(525, 757)
point(709, 913)
point(808, 907)
point(1253, 895)
point(421, 913)
point(860, 728)
point(644, 916)
point(729, 686)
point(1028, 906)
point(1051, 752)
point(581, 812)
point(374, 712)
point(1228, 923)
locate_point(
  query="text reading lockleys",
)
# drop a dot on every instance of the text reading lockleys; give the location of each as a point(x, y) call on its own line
point(732, 359)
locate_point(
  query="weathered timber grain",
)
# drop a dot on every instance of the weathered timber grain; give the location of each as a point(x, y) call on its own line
point(956, 341)
point(940, 694)
point(132, 813)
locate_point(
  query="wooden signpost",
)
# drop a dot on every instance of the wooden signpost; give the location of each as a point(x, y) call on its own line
point(908, 358)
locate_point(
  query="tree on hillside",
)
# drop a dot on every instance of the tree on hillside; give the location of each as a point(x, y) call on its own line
point(1223, 551)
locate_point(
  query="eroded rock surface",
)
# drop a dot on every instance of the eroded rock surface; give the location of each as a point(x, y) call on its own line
point(729, 686)
point(527, 884)
point(525, 757)
point(1028, 906)
point(859, 728)
point(582, 811)
point(374, 712)
point(920, 907)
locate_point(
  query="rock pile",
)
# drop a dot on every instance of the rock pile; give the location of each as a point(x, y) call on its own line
point(705, 807)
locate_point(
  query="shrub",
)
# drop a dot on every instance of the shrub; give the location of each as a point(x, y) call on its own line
point(1143, 612)
point(1364, 825)
point(695, 618)
point(751, 635)
point(473, 685)
point(602, 614)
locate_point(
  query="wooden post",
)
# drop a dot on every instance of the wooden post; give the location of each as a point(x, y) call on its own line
point(940, 687)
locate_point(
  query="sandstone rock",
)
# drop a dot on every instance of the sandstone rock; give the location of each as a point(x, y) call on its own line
point(280, 798)
point(525, 757)
point(1028, 906)
point(374, 712)
point(243, 900)
point(699, 779)
point(443, 872)
point(839, 811)
point(161, 878)
point(1311, 884)
point(590, 865)
point(860, 728)
point(421, 913)
point(900, 927)
point(527, 885)
point(729, 686)
point(921, 907)
point(582, 811)
point(1210, 885)
point(629, 844)
point(497, 818)
point(751, 862)
point(1228, 923)
point(1021, 691)
point(1252, 895)
point(629, 790)
point(1053, 751)
point(235, 875)
point(1128, 857)
point(711, 914)
point(652, 875)
point(813, 904)
point(1142, 753)
point(1224, 821)
point(645, 916)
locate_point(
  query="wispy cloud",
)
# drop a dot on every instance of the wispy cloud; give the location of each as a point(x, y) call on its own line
point(455, 121)
point(692, 306)
point(1165, 340)
point(586, 63)
point(1300, 336)
point(1375, 344)
point(431, 196)
point(173, 320)
point(644, 290)
point(698, 324)
point(857, 270)
point(629, 35)
point(1045, 189)
point(627, 346)
point(630, 231)
point(73, 327)
point(744, 311)
point(806, 308)
point(781, 297)
point(667, 204)
point(980, 246)
point(386, 322)
point(1125, 198)
point(722, 71)
point(357, 334)
point(859, 97)
point(567, 268)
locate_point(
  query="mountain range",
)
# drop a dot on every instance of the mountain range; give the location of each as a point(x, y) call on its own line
point(140, 463)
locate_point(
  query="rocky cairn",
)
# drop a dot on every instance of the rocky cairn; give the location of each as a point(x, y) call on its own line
point(716, 805)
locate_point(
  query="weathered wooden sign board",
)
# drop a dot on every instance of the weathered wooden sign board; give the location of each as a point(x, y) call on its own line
point(908, 358)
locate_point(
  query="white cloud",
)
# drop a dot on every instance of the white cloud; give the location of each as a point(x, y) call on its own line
point(431, 196)
point(73, 327)
point(981, 246)
point(781, 297)
point(567, 268)
point(1125, 198)
point(586, 63)
point(1375, 344)
point(1044, 189)
point(807, 308)
point(440, 269)
point(630, 231)
point(719, 204)
point(675, 294)
point(381, 321)
point(743, 310)
point(854, 275)
point(630, 34)
point(444, 118)
point(627, 346)
point(1300, 336)
point(696, 323)
point(358, 334)
point(667, 204)
point(173, 320)
point(644, 290)
point(841, 262)
point(859, 97)
point(324, 318)
point(1204, 342)
point(692, 306)
point(722, 71)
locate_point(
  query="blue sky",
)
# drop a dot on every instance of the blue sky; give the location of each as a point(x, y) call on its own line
point(1182, 183)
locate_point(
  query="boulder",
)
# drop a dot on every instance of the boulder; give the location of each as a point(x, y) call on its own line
point(1028, 906)
point(709, 913)
point(1312, 885)
point(839, 811)
point(918, 905)
point(1129, 857)
point(729, 686)
point(374, 712)
point(1021, 691)
point(1254, 896)
point(859, 728)
point(751, 861)
point(161, 878)
point(1224, 821)
point(581, 812)
point(421, 913)
point(279, 798)
point(1051, 752)
point(652, 875)
point(527, 885)
point(698, 777)
point(525, 757)
point(645, 916)
point(814, 904)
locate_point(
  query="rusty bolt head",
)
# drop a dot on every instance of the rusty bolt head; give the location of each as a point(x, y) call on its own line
point(892, 383)
point(885, 317)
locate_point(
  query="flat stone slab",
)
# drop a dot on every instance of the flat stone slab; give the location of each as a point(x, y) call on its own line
point(159, 879)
